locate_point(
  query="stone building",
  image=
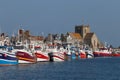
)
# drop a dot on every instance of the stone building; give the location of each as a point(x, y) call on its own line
point(24, 36)
point(89, 38)
point(82, 30)
point(74, 38)
point(36, 39)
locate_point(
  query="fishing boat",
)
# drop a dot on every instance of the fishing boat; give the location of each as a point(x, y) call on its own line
point(89, 54)
point(116, 53)
point(86, 53)
point(102, 52)
point(41, 55)
point(7, 58)
point(75, 55)
point(25, 57)
point(83, 54)
point(24, 54)
point(78, 53)
point(56, 55)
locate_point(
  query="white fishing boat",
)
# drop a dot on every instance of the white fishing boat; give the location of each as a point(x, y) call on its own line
point(40, 54)
point(56, 55)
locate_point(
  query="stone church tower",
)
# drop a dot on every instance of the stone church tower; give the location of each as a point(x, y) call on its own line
point(82, 29)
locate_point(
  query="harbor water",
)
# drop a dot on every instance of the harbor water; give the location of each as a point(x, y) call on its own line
point(83, 69)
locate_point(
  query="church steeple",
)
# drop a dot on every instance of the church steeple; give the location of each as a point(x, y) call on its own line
point(82, 30)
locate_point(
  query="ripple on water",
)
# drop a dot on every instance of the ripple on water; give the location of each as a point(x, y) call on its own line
point(84, 69)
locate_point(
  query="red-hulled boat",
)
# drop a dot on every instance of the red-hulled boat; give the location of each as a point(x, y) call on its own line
point(116, 54)
point(25, 57)
point(103, 52)
point(83, 55)
point(24, 54)
point(58, 56)
point(40, 55)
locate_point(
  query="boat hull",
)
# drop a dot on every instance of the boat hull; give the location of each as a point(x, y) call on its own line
point(24, 57)
point(8, 62)
point(116, 54)
point(56, 56)
point(41, 56)
point(75, 56)
point(97, 54)
point(8, 59)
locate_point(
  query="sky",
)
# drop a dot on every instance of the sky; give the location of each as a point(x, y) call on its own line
point(61, 16)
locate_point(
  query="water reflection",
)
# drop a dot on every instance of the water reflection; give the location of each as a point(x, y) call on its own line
point(85, 69)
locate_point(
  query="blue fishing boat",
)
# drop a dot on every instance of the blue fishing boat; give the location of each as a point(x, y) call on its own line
point(75, 55)
point(7, 58)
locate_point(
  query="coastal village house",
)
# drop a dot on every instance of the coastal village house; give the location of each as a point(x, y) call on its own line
point(74, 38)
point(81, 36)
point(25, 36)
point(57, 39)
point(53, 38)
point(4, 40)
point(89, 38)
point(49, 39)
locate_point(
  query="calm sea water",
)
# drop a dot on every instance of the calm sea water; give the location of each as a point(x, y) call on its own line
point(84, 69)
